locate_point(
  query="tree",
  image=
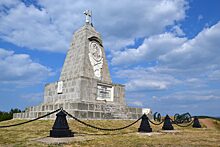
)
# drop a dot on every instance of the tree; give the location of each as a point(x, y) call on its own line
point(8, 115)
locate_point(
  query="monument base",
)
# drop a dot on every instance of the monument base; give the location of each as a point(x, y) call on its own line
point(83, 111)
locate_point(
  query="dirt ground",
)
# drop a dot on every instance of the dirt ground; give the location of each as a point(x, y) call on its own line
point(208, 123)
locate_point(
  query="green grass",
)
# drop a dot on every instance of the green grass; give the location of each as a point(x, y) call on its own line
point(27, 134)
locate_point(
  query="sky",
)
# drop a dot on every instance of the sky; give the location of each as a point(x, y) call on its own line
point(165, 52)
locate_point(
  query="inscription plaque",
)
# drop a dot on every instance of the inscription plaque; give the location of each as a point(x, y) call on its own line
point(105, 92)
point(59, 87)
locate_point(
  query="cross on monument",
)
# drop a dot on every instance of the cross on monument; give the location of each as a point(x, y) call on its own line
point(88, 14)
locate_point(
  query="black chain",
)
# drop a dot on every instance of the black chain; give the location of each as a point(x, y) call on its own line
point(182, 125)
point(172, 122)
point(193, 120)
point(156, 123)
point(104, 129)
point(190, 123)
point(32, 119)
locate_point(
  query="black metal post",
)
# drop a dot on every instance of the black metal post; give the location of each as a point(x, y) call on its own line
point(145, 126)
point(61, 127)
point(196, 123)
point(167, 125)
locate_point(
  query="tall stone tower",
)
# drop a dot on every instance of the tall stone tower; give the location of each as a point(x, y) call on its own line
point(85, 88)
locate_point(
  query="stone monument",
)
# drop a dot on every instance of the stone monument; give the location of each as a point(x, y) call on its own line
point(85, 88)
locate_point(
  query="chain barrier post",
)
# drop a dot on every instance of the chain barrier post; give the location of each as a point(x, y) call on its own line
point(167, 125)
point(196, 123)
point(144, 126)
point(61, 127)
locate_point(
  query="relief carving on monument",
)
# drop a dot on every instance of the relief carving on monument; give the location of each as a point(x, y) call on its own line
point(95, 57)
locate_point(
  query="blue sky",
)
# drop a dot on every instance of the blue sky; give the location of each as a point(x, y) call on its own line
point(165, 52)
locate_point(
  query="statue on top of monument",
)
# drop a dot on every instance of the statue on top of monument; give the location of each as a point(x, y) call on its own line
point(88, 14)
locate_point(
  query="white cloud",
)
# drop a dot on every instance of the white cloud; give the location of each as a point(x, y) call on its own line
point(32, 28)
point(151, 49)
point(32, 97)
point(50, 28)
point(176, 52)
point(143, 84)
point(136, 103)
point(19, 69)
point(180, 63)
point(8, 3)
point(191, 95)
point(141, 79)
point(178, 57)
point(200, 52)
point(215, 75)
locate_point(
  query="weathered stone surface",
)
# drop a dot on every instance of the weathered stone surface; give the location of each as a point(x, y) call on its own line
point(82, 106)
point(83, 114)
point(90, 114)
point(73, 106)
point(78, 54)
point(91, 107)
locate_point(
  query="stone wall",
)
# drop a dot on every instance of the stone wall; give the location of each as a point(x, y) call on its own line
point(81, 89)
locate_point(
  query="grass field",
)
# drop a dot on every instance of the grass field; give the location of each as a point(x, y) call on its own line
point(26, 135)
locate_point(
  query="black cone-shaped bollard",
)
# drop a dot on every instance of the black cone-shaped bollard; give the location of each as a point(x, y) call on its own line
point(145, 126)
point(196, 123)
point(61, 127)
point(167, 125)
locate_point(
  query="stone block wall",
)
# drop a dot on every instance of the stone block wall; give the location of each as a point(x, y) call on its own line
point(83, 111)
point(81, 89)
